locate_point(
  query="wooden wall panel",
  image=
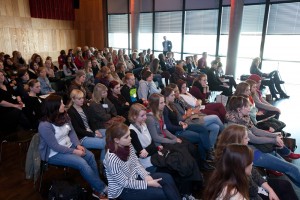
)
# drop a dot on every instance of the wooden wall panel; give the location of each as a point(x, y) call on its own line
point(90, 21)
point(28, 35)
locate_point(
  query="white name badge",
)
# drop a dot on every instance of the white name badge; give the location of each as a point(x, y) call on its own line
point(104, 105)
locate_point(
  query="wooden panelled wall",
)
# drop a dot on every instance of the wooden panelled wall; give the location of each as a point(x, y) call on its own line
point(90, 20)
point(18, 31)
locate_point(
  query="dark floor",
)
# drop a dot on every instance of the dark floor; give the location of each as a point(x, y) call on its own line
point(14, 186)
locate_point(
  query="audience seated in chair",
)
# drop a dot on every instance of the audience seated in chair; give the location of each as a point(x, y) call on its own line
point(59, 145)
point(122, 166)
point(260, 102)
point(272, 79)
point(214, 83)
point(184, 97)
point(78, 83)
point(238, 113)
point(81, 120)
point(145, 149)
point(33, 104)
point(277, 188)
point(11, 107)
point(147, 86)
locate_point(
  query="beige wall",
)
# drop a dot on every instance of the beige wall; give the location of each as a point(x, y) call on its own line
point(18, 31)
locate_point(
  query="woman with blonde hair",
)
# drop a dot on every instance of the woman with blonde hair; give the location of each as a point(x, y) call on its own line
point(89, 138)
point(101, 108)
point(89, 76)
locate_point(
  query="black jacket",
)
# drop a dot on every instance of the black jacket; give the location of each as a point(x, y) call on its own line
point(78, 124)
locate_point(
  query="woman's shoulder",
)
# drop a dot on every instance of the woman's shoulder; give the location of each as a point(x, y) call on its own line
point(111, 159)
point(234, 192)
point(106, 100)
point(44, 125)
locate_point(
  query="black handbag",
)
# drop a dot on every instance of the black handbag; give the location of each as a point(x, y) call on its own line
point(290, 143)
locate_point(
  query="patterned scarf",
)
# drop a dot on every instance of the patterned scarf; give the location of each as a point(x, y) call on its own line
point(233, 116)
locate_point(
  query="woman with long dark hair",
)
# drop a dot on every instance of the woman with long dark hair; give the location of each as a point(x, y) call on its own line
point(59, 144)
point(268, 147)
point(259, 188)
point(230, 179)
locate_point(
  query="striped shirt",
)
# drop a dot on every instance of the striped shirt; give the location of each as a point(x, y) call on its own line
point(122, 174)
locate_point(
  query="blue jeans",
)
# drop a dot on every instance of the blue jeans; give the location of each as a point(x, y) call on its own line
point(158, 78)
point(86, 165)
point(168, 191)
point(214, 125)
point(197, 134)
point(274, 161)
point(96, 143)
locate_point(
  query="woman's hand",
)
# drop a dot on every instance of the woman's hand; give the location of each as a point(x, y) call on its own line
point(154, 182)
point(18, 106)
point(189, 112)
point(183, 125)
point(79, 152)
point(81, 148)
point(178, 140)
point(260, 113)
point(196, 111)
point(273, 196)
point(144, 153)
point(160, 147)
point(279, 141)
point(98, 134)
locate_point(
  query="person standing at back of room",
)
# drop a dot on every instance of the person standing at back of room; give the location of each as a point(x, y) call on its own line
point(167, 46)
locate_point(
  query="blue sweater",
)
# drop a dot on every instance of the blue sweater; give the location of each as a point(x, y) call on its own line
point(48, 140)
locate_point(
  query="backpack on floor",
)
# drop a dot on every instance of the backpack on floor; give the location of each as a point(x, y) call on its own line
point(64, 190)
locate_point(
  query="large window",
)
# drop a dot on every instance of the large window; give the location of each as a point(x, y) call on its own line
point(283, 32)
point(282, 41)
point(118, 31)
point(168, 24)
point(200, 31)
point(223, 44)
point(145, 34)
point(251, 31)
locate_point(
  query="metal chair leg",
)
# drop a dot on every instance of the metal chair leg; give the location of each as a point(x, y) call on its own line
point(1, 149)
point(43, 168)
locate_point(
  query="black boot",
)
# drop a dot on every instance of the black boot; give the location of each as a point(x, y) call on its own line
point(210, 155)
point(206, 167)
point(284, 95)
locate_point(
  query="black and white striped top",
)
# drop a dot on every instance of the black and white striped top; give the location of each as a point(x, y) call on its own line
point(122, 174)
